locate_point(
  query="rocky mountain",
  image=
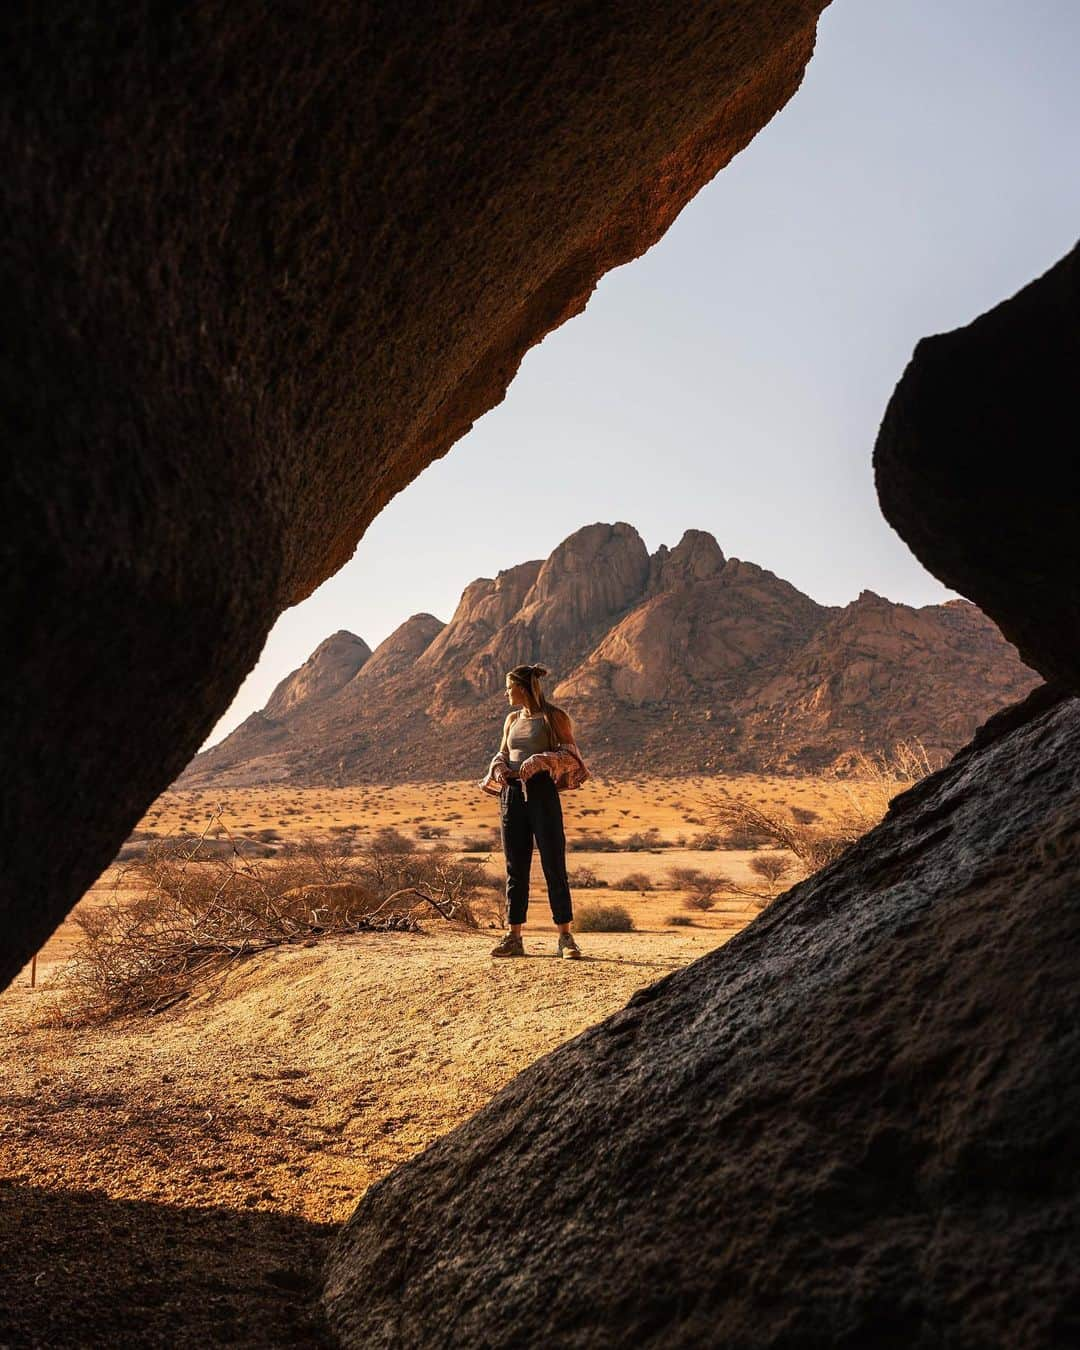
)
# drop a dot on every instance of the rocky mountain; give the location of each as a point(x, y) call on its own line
point(679, 661)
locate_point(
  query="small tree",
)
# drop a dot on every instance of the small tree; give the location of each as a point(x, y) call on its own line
point(772, 868)
point(702, 894)
point(682, 878)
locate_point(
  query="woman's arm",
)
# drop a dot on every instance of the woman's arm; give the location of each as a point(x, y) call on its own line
point(564, 728)
point(501, 761)
point(504, 748)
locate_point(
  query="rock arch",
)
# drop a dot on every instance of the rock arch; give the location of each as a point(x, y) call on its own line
point(264, 265)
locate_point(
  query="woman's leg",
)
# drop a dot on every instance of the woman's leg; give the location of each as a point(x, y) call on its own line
point(545, 815)
point(517, 842)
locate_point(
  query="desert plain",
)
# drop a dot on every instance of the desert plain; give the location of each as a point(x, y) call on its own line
point(211, 1149)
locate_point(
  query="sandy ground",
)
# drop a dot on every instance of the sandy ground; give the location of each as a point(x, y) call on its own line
point(173, 1180)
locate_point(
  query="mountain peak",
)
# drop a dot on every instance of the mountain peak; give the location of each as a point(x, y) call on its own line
point(331, 665)
point(617, 552)
point(682, 662)
point(696, 557)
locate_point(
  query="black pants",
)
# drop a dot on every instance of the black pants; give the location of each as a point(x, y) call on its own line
point(519, 821)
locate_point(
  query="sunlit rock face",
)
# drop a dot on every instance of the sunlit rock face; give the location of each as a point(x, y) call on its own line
point(855, 1124)
point(264, 263)
point(978, 470)
point(672, 663)
point(329, 668)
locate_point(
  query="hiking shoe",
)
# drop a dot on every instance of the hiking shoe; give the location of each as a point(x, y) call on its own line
point(568, 947)
point(511, 945)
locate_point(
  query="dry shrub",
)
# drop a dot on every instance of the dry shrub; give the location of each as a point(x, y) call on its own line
point(707, 841)
point(880, 777)
point(867, 785)
point(682, 878)
point(191, 918)
point(594, 918)
point(594, 843)
point(679, 921)
point(775, 872)
point(585, 878)
point(391, 840)
point(703, 896)
point(481, 843)
point(744, 835)
point(641, 841)
point(700, 889)
point(772, 868)
point(633, 881)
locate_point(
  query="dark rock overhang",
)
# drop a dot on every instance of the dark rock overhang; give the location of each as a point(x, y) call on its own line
point(264, 263)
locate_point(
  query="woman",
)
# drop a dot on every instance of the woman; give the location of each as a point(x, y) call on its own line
point(536, 760)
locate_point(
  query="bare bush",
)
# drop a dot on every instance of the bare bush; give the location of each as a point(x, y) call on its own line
point(813, 845)
point(596, 843)
point(683, 878)
point(633, 881)
point(585, 878)
point(191, 918)
point(700, 888)
point(772, 868)
point(706, 841)
point(704, 895)
point(481, 843)
point(871, 781)
point(389, 839)
point(593, 918)
point(745, 834)
point(679, 921)
point(641, 841)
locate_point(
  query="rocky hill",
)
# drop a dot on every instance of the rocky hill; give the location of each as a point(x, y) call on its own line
point(679, 661)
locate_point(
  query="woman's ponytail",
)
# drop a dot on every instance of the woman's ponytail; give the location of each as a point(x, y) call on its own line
point(536, 674)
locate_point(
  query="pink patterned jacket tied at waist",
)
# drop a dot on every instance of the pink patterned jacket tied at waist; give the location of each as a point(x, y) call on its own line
point(564, 763)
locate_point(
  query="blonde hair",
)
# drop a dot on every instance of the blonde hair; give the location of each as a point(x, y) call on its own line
point(528, 678)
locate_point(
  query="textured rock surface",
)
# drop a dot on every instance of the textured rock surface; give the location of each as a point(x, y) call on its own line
point(854, 1125)
point(329, 668)
point(977, 468)
point(674, 663)
point(263, 264)
point(876, 672)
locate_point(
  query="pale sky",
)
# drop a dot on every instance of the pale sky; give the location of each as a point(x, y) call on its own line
point(733, 378)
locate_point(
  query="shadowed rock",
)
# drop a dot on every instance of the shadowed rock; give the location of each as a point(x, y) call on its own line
point(854, 1125)
point(857, 1123)
point(977, 468)
point(264, 263)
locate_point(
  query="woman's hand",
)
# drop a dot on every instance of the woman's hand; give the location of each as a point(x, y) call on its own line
point(502, 772)
point(529, 766)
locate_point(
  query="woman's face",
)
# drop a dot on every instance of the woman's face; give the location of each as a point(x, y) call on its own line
point(515, 695)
